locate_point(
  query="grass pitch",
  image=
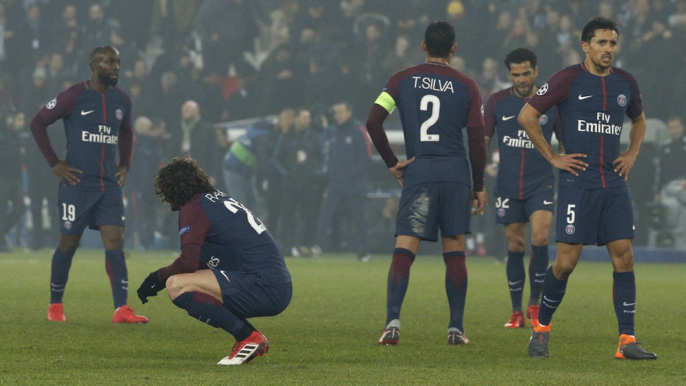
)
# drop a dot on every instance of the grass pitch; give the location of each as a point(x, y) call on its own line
point(328, 334)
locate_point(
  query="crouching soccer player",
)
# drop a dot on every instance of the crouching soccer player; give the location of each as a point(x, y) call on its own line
point(247, 275)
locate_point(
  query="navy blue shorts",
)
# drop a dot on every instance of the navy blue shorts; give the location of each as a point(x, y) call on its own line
point(247, 298)
point(428, 207)
point(78, 208)
point(594, 216)
point(510, 210)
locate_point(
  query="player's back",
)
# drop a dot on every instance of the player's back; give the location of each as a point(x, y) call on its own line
point(238, 241)
point(435, 103)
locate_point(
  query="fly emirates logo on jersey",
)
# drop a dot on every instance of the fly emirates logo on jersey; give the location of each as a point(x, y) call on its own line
point(102, 136)
point(522, 140)
point(601, 126)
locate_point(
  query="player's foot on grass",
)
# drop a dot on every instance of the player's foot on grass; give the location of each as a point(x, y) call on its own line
point(456, 336)
point(538, 343)
point(630, 349)
point(56, 312)
point(516, 320)
point(532, 314)
point(391, 334)
point(246, 350)
point(125, 314)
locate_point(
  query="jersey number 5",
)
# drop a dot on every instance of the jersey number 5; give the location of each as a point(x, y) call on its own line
point(435, 111)
point(233, 206)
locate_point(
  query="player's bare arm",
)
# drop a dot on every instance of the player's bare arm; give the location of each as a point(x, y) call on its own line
point(479, 202)
point(528, 119)
point(66, 173)
point(398, 171)
point(626, 160)
point(120, 175)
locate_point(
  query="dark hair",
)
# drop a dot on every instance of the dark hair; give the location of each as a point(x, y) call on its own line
point(180, 180)
point(595, 24)
point(520, 55)
point(439, 38)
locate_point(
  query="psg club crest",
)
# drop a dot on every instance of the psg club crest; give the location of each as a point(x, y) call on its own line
point(621, 99)
point(542, 90)
point(570, 229)
point(543, 119)
point(501, 212)
point(51, 105)
point(119, 114)
point(67, 225)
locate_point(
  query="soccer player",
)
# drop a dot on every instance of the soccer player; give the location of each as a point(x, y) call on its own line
point(247, 275)
point(97, 122)
point(435, 102)
point(524, 187)
point(594, 206)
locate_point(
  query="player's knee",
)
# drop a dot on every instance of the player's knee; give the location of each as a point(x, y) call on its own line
point(563, 268)
point(174, 287)
point(516, 244)
point(68, 246)
point(539, 239)
point(623, 261)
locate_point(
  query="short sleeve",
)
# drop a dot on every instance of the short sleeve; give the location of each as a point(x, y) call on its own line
point(553, 92)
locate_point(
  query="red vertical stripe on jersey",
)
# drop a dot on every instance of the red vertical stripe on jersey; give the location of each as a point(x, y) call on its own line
point(602, 154)
point(521, 177)
point(102, 169)
point(104, 110)
point(602, 78)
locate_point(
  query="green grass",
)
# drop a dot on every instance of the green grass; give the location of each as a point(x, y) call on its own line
point(328, 334)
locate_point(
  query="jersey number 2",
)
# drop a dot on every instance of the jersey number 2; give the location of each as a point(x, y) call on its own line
point(233, 206)
point(435, 111)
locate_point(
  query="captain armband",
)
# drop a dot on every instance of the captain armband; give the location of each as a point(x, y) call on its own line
point(386, 101)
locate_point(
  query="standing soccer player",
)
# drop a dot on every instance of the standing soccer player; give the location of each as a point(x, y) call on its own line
point(593, 200)
point(524, 187)
point(247, 275)
point(435, 102)
point(97, 122)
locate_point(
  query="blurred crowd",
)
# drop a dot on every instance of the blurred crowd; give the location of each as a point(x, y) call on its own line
point(317, 67)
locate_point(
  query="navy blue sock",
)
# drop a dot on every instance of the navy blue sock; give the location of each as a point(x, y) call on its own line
point(456, 286)
point(398, 280)
point(210, 311)
point(624, 297)
point(516, 275)
point(553, 292)
point(59, 274)
point(538, 264)
point(115, 264)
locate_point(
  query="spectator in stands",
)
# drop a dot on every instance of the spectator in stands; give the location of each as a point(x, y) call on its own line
point(347, 151)
point(672, 156)
point(11, 151)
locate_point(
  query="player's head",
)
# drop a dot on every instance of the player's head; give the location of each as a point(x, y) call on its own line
point(439, 39)
point(522, 71)
point(599, 41)
point(180, 180)
point(104, 63)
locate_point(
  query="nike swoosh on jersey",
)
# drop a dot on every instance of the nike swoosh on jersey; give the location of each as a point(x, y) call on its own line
point(86, 112)
point(547, 202)
point(507, 118)
point(584, 97)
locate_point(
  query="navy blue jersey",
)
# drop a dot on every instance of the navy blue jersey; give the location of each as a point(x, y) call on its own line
point(94, 123)
point(523, 170)
point(435, 103)
point(231, 238)
point(592, 110)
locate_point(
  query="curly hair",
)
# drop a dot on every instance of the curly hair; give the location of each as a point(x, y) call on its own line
point(180, 180)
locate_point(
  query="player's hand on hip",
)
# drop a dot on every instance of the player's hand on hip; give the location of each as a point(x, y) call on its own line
point(398, 171)
point(569, 162)
point(121, 174)
point(150, 287)
point(479, 202)
point(624, 163)
point(66, 173)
